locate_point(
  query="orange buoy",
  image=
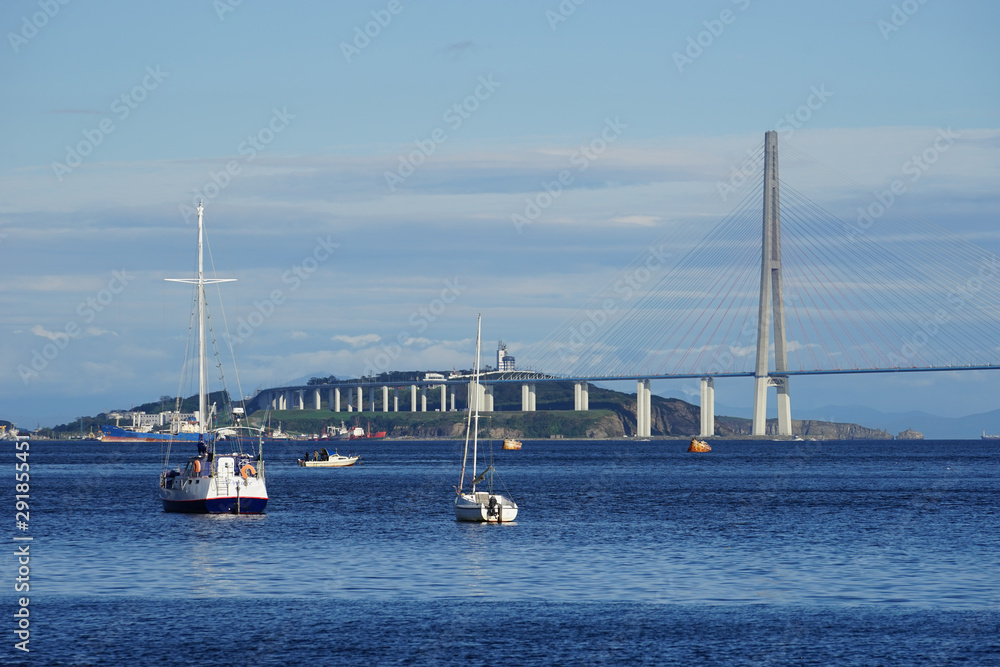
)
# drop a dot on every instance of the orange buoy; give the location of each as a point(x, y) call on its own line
point(248, 470)
point(699, 446)
point(196, 467)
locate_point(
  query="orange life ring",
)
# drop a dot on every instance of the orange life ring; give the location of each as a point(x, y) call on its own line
point(196, 467)
point(244, 469)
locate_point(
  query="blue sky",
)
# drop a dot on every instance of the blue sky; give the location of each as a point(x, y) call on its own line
point(288, 135)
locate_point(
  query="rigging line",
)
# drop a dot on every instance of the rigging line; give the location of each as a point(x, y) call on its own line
point(867, 296)
point(730, 299)
point(738, 260)
point(882, 257)
point(575, 321)
point(722, 286)
point(694, 260)
point(919, 305)
point(810, 267)
point(921, 223)
point(818, 267)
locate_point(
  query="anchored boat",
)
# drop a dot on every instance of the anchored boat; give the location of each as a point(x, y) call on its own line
point(227, 473)
point(474, 504)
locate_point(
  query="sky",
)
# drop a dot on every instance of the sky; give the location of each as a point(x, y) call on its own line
point(374, 173)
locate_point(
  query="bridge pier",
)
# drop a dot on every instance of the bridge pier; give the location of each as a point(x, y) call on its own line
point(361, 399)
point(707, 407)
point(423, 398)
point(413, 398)
point(772, 304)
point(316, 399)
point(452, 398)
point(488, 392)
point(643, 405)
point(385, 398)
point(336, 399)
point(444, 398)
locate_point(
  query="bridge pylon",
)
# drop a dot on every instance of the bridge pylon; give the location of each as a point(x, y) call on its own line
point(771, 304)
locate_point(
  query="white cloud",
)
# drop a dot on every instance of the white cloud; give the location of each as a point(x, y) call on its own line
point(357, 341)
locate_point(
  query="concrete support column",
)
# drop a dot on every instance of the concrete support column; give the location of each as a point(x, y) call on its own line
point(531, 397)
point(385, 398)
point(336, 399)
point(452, 398)
point(524, 398)
point(274, 400)
point(488, 395)
point(329, 398)
point(648, 410)
point(444, 398)
point(423, 398)
point(577, 402)
point(316, 399)
point(371, 399)
point(585, 396)
point(350, 399)
point(413, 398)
point(361, 399)
point(644, 399)
point(395, 399)
point(784, 406)
point(640, 403)
point(707, 407)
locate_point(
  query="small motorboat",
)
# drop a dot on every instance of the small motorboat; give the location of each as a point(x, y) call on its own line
point(699, 446)
point(511, 443)
point(324, 459)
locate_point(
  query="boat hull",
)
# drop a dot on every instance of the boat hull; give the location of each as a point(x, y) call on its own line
point(230, 484)
point(219, 505)
point(118, 434)
point(476, 507)
point(341, 462)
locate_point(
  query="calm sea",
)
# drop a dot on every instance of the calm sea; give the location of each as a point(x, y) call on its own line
point(624, 552)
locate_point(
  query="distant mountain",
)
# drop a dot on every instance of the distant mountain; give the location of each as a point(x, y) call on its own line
point(932, 426)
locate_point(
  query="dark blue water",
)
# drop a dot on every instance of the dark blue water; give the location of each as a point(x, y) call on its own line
point(623, 553)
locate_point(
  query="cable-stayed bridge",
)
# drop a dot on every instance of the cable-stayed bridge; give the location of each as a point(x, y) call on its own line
point(779, 288)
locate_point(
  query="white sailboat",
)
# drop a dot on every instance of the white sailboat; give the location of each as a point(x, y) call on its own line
point(221, 478)
point(477, 505)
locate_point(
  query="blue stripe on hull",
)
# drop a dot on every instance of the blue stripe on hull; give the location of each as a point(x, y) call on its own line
point(216, 506)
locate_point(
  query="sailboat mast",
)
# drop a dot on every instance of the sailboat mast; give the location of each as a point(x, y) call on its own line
point(202, 356)
point(475, 402)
